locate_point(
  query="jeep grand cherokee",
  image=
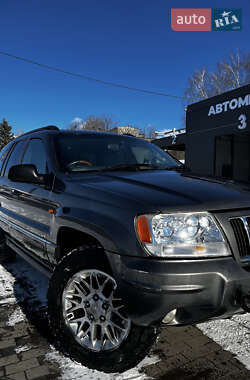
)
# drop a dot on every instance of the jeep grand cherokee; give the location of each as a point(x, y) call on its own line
point(130, 240)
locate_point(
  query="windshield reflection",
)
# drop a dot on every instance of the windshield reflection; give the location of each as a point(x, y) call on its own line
point(82, 152)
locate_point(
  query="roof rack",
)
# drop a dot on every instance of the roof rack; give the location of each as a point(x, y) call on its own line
point(48, 128)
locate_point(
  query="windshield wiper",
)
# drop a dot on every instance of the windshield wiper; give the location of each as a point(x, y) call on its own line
point(132, 167)
point(129, 167)
point(178, 168)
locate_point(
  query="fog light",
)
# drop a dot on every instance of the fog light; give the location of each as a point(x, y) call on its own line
point(170, 316)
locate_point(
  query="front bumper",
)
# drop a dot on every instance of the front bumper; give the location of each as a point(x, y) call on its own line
point(198, 289)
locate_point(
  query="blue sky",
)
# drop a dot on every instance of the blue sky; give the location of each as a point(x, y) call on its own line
point(129, 42)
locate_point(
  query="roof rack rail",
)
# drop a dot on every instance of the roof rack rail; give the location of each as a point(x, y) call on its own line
point(48, 128)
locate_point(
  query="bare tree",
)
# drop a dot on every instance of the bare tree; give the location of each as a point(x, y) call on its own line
point(93, 123)
point(108, 122)
point(229, 74)
point(198, 84)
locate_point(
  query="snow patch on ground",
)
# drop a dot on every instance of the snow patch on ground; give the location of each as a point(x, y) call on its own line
point(6, 296)
point(24, 348)
point(16, 317)
point(29, 282)
point(23, 282)
point(6, 284)
point(73, 371)
point(232, 335)
point(7, 301)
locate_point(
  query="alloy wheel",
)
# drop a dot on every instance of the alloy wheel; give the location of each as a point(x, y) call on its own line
point(93, 313)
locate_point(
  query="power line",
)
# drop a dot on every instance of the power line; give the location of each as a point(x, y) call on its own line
point(107, 83)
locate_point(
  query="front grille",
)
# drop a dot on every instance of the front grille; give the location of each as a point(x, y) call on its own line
point(241, 228)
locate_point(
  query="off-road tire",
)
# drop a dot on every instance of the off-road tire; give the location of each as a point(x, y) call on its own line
point(131, 351)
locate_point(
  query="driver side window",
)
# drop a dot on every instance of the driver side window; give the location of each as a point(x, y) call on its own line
point(35, 154)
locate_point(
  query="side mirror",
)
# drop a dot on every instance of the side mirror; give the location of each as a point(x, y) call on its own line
point(26, 173)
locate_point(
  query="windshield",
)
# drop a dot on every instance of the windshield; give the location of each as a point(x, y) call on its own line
point(85, 152)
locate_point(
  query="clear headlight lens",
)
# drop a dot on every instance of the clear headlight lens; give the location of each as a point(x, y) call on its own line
point(181, 235)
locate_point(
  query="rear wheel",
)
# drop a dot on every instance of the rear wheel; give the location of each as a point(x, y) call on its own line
point(89, 318)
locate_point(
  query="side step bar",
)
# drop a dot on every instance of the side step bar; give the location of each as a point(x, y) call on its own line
point(41, 268)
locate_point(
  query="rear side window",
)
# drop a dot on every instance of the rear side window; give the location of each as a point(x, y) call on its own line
point(35, 154)
point(15, 156)
point(3, 154)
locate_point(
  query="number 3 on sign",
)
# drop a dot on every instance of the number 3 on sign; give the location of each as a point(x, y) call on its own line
point(243, 121)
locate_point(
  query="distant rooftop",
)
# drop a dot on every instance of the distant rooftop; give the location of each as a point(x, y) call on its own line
point(127, 129)
point(169, 132)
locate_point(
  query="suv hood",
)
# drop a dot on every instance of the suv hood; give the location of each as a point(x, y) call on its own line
point(161, 189)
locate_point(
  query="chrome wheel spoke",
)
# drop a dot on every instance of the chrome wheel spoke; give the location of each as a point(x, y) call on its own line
point(74, 308)
point(83, 334)
point(116, 311)
point(93, 282)
point(98, 342)
point(102, 287)
point(75, 320)
point(85, 283)
point(102, 340)
point(110, 334)
point(117, 300)
point(79, 288)
point(92, 311)
point(70, 298)
point(93, 335)
point(118, 327)
point(98, 282)
point(79, 330)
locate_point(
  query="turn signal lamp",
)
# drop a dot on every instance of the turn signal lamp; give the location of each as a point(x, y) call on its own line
point(143, 229)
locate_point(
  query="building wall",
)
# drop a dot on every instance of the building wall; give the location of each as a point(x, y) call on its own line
point(225, 114)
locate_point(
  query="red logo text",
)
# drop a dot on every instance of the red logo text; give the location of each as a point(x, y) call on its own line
point(191, 19)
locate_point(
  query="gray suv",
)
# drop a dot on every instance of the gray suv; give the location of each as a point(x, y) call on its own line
point(130, 239)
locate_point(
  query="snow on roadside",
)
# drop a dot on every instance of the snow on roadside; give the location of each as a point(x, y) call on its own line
point(7, 301)
point(12, 291)
point(24, 348)
point(6, 284)
point(6, 296)
point(232, 335)
point(73, 371)
point(37, 283)
point(29, 283)
point(16, 317)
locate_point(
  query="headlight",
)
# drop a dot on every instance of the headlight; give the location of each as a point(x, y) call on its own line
point(181, 235)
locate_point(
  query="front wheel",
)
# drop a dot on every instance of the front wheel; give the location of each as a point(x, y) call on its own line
point(89, 318)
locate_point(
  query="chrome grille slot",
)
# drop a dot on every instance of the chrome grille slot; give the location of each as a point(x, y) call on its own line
point(241, 228)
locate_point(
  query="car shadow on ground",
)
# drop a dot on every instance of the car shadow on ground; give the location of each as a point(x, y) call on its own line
point(184, 352)
point(30, 289)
